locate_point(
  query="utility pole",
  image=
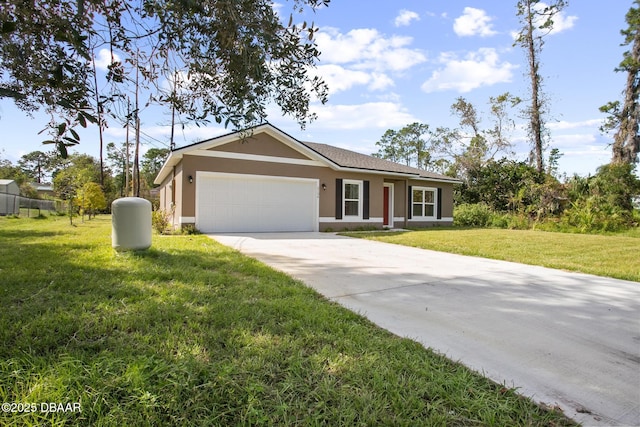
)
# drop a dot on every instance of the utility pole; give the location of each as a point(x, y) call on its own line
point(172, 144)
point(136, 166)
point(127, 166)
point(99, 111)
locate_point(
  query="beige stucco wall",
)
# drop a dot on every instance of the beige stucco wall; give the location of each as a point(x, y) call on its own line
point(325, 176)
point(171, 194)
point(264, 145)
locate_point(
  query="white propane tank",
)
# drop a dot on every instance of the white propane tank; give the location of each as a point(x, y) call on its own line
point(130, 224)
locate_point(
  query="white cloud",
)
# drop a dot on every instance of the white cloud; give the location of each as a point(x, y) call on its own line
point(376, 115)
point(561, 22)
point(103, 59)
point(405, 17)
point(562, 125)
point(580, 137)
point(473, 22)
point(367, 49)
point(476, 69)
point(380, 81)
point(363, 57)
point(575, 141)
point(339, 78)
point(581, 153)
point(582, 146)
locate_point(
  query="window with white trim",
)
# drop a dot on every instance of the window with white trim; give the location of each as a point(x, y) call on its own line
point(352, 198)
point(423, 202)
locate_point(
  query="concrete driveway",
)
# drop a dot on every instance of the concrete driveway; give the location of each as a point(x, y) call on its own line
point(564, 339)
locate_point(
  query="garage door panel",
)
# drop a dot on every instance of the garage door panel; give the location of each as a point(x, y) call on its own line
point(238, 203)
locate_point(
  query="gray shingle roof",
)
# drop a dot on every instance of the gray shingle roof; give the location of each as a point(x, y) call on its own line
point(352, 159)
point(337, 156)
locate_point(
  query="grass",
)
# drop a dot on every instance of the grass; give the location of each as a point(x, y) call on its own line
point(603, 255)
point(192, 333)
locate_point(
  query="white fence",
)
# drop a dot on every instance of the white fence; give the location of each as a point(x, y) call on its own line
point(10, 204)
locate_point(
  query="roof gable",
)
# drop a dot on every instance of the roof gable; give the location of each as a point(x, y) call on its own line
point(218, 146)
point(9, 186)
point(261, 144)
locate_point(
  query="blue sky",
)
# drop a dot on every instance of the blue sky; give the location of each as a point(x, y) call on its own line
point(389, 64)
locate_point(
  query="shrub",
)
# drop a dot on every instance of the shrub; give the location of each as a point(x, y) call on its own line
point(519, 222)
point(160, 221)
point(512, 221)
point(616, 185)
point(472, 215)
point(189, 229)
point(500, 220)
point(589, 215)
point(502, 185)
point(603, 202)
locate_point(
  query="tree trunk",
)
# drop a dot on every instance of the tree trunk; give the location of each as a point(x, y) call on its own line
point(535, 119)
point(626, 143)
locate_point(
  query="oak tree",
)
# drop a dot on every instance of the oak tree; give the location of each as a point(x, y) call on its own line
point(234, 58)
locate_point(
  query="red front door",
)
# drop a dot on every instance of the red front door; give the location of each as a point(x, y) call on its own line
point(385, 203)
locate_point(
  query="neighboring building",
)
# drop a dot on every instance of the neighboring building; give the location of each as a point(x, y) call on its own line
point(269, 181)
point(9, 197)
point(44, 190)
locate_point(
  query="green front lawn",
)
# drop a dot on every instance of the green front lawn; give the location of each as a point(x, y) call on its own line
point(192, 333)
point(603, 255)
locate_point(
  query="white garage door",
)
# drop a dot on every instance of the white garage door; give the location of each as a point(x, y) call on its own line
point(250, 203)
